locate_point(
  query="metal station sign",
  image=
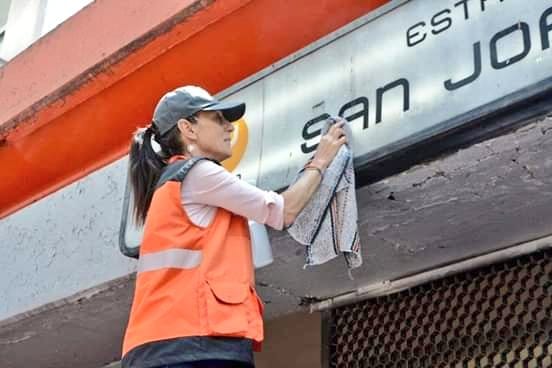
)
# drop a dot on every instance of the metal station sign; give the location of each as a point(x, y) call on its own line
point(408, 71)
point(411, 70)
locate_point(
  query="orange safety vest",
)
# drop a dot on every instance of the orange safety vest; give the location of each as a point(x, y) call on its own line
point(192, 281)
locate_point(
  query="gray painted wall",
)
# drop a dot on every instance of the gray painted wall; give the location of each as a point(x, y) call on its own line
point(4, 7)
point(28, 20)
point(64, 243)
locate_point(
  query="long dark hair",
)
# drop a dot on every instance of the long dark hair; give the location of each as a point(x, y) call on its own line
point(146, 165)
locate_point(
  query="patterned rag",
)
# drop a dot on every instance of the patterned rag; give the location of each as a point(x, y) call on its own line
point(328, 223)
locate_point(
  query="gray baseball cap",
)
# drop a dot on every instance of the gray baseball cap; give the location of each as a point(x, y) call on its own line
point(185, 101)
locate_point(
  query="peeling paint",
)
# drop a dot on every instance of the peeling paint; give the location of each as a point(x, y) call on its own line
point(468, 202)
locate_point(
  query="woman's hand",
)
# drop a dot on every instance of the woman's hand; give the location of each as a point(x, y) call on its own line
point(298, 194)
point(329, 145)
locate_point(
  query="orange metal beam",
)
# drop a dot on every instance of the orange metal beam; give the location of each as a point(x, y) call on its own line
point(69, 103)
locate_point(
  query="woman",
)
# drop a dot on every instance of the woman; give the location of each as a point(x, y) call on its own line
point(195, 303)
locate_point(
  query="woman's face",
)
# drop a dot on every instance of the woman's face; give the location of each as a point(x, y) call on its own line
point(213, 136)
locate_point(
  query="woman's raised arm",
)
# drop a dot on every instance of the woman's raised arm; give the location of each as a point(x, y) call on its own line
point(299, 193)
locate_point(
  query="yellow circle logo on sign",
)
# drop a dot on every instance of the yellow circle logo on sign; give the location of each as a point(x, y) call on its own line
point(240, 137)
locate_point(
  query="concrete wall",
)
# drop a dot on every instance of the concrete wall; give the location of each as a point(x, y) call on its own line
point(292, 341)
point(24, 26)
point(58, 11)
point(64, 243)
point(4, 9)
point(28, 20)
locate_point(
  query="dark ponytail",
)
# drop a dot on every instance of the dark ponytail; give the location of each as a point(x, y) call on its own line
point(146, 165)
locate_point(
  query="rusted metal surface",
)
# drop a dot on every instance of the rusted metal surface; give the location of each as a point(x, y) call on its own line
point(495, 316)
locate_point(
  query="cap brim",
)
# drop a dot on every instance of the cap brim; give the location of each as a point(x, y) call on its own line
point(231, 111)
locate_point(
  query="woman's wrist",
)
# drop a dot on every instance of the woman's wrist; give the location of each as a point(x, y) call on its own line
point(318, 163)
point(315, 168)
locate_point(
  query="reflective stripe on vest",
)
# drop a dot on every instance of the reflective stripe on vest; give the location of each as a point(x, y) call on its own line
point(170, 258)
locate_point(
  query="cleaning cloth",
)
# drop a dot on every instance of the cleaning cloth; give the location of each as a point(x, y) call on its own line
point(328, 223)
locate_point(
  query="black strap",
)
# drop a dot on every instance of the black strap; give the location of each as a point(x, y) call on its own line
point(178, 170)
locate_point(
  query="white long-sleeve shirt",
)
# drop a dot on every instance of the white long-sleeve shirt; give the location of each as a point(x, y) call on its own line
point(208, 186)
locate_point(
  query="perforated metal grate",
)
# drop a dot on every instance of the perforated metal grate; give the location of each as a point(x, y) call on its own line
point(499, 316)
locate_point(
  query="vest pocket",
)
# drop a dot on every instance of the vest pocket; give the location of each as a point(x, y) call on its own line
point(226, 309)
